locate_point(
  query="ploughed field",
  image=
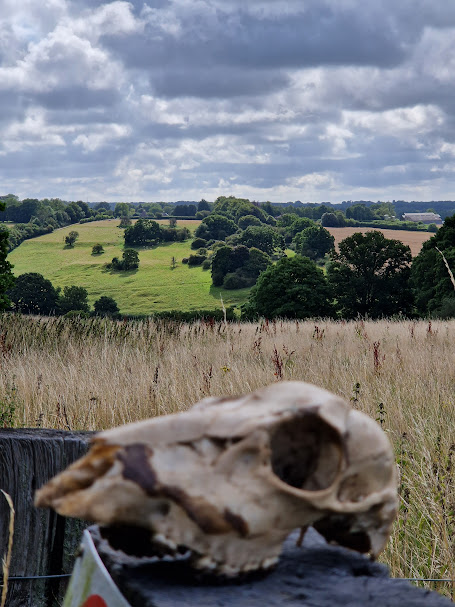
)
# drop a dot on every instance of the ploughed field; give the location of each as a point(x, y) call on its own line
point(414, 240)
point(92, 374)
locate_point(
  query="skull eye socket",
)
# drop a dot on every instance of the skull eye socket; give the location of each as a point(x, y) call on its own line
point(306, 452)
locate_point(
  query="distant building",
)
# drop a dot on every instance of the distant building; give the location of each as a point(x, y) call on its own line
point(423, 217)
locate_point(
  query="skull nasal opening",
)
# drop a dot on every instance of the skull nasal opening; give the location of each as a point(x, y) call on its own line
point(306, 452)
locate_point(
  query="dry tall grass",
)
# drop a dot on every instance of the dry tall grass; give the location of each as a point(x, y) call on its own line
point(93, 374)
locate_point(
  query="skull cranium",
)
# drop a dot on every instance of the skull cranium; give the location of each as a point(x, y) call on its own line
point(232, 477)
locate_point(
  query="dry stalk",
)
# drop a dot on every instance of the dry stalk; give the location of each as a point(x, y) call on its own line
point(6, 561)
point(447, 266)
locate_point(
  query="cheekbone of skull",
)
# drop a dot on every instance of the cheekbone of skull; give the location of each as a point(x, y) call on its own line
point(229, 479)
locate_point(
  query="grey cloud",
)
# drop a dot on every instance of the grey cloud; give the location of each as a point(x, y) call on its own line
point(216, 82)
point(318, 36)
point(77, 97)
point(302, 87)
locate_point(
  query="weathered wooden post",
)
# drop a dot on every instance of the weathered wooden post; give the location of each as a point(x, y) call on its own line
point(44, 542)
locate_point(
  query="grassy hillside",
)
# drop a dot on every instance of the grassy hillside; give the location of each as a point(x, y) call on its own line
point(153, 287)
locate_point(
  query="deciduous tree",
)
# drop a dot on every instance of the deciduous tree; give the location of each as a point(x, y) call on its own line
point(263, 237)
point(71, 238)
point(430, 278)
point(73, 298)
point(145, 232)
point(6, 275)
point(293, 288)
point(34, 294)
point(215, 227)
point(314, 242)
point(106, 306)
point(370, 276)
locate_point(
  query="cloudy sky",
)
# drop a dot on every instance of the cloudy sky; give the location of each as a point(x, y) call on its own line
point(312, 100)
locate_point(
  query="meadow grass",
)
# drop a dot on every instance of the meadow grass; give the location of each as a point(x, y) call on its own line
point(94, 374)
point(155, 286)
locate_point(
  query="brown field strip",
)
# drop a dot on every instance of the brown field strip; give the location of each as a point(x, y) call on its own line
point(414, 240)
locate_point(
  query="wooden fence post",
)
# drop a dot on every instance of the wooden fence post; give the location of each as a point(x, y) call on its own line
point(44, 542)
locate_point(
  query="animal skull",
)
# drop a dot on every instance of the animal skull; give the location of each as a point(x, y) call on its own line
point(232, 477)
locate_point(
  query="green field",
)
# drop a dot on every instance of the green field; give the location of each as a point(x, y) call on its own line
point(154, 287)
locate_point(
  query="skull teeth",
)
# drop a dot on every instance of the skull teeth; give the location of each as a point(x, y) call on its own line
point(165, 541)
point(269, 562)
point(207, 563)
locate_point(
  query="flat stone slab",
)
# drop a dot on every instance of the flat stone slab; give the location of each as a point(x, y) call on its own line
point(313, 575)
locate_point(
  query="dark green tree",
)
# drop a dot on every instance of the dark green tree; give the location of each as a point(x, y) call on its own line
point(215, 227)
point(73, 298)
point(106, 306)
point(291, 224)
point(234, 208)
point(75, 212)
point(360, 212)
point(102, 206)
point(185, 209)
point(430, 279)
point(97, 249)
point(130, 259)
point(370, 276)
point(292, 288)
point(203, 205)
point(145, 232)
point(71, 238)
point(88, 212)
point(6, 275)
point(263, 237)
point(227, 259)
point(333, 220)
point(313, 242)
point(122, 209)
point(258, 261)
point(34, 294)
point(125, 222)
point(249, 220)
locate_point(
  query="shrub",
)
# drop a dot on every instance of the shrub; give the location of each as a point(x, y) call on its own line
point(106, 306)
point(185, 260)
point(198, 243)
point(207, 264)
point(202, 214)
point(196, 260)
point(125, 222)
point(73, 298)
point(97, 249)
point(248, 220)
point(129, 261)
point(71, 238)
point(235, 280)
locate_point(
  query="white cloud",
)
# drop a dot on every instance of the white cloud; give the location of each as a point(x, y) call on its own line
point(100, 136)
point(282, 99)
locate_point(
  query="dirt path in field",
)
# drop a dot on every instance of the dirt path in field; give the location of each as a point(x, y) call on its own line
point(414, 240)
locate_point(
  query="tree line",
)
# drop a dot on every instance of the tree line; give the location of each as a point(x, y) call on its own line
point(244, 244)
